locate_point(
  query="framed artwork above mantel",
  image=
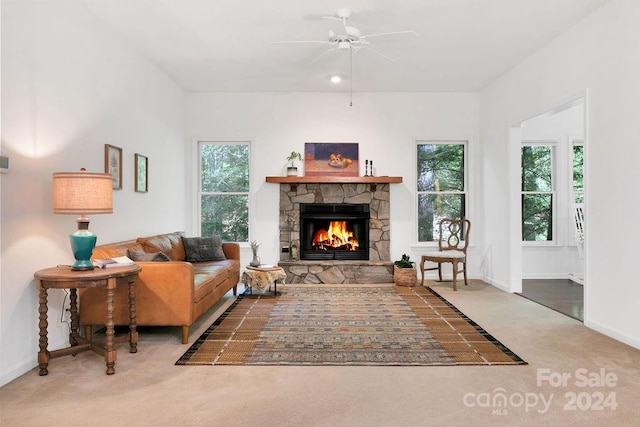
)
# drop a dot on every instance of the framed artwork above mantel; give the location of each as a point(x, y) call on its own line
point(331, 159)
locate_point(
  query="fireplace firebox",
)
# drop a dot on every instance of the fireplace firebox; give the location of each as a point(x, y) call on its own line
point(334, 231)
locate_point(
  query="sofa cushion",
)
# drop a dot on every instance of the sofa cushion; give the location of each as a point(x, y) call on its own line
point(170, 244)
point(200, 249)
point(206, 278)
point(147, 256)
point(232, 266)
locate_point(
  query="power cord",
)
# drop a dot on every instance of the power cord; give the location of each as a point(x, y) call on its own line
point(63, 310)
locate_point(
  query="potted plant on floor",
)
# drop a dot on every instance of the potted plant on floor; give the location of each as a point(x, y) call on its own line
point(404, 272)
point(292, 169)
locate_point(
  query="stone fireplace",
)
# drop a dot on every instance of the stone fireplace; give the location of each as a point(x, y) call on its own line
point(304, 264)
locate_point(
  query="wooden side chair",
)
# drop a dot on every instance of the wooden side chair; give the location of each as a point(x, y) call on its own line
point(452, 248)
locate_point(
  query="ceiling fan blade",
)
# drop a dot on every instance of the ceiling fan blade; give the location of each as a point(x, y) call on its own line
point(388, 58)
point(301, 41)
point(321, 55)
point(389, 34)
point(314, 17)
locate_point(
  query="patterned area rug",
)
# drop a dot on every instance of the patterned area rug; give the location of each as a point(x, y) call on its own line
point(346, 325)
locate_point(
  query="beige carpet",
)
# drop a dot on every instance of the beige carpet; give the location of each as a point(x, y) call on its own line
point(148, 390)
point(369, 325)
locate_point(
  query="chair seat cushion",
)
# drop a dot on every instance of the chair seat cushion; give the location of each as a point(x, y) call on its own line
point(444, 255)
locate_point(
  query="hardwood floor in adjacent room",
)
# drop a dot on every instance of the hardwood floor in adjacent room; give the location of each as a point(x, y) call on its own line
point(561, 295)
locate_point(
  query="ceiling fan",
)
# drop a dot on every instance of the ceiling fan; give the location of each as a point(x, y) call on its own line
point(350, 38)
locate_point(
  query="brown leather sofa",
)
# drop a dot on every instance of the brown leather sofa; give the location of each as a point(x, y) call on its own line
point(168, 293)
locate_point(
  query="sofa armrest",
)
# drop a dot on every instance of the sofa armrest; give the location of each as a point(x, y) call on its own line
point(165, 295)
point(231, 250)
point(169, 287)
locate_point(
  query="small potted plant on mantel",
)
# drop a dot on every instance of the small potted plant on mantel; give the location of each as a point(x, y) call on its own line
point(292, 169)
point(404, 272)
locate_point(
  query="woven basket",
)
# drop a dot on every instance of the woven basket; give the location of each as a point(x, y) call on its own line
point(405, 276)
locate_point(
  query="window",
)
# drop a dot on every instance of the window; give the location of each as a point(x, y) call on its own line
point(578, 171)
point(224, 190)
point(442, 188)
point(537, 192)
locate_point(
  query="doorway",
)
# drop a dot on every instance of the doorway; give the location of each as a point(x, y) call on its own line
point(551, 149)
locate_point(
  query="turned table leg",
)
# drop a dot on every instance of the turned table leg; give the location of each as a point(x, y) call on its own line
point(133, 333)
point(75, 323)
point(110, 352)
point(43, 354)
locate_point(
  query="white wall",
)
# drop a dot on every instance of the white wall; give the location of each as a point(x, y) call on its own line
point(68, 87)
point(386, 126)
point(560, 259)
point(599, 56)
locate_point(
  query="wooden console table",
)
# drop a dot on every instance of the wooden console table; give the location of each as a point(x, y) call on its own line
point(63, 277)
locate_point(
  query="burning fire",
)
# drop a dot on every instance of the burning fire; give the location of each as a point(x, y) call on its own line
point(338, 237)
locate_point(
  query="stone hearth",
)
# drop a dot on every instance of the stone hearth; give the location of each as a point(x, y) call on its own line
point(338, 272)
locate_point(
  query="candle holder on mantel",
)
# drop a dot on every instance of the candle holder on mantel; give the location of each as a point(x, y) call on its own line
point(368, 168)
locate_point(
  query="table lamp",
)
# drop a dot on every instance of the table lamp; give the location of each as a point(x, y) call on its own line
point(82, 193)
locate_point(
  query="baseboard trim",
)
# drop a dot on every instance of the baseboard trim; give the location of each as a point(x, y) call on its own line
point(20, 369)
point(613, 333)
point(496, 284)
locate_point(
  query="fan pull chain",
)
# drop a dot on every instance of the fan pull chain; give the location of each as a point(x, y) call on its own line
point(351, 77)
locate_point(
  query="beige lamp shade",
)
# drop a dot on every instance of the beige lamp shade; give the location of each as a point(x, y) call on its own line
point(82, 193)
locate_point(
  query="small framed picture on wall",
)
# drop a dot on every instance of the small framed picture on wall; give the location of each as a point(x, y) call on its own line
point(141, 173)
point(113, 164)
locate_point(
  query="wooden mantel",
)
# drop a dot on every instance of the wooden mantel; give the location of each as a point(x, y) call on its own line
point(371, 180)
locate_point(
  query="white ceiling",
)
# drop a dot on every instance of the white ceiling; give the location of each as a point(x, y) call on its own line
point(224, 45)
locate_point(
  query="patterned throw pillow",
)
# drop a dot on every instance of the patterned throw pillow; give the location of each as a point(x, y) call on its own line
point(147, 257)
point(199, 249)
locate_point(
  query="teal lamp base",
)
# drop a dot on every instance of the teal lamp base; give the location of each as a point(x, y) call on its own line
point(82, 243)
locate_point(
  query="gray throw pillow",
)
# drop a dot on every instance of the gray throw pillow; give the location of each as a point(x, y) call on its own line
point(199, 249)
point(147, 256)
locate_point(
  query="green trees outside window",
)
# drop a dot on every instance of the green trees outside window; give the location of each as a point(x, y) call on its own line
point(537, 193)
point(224, 190)
point(441, 185)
